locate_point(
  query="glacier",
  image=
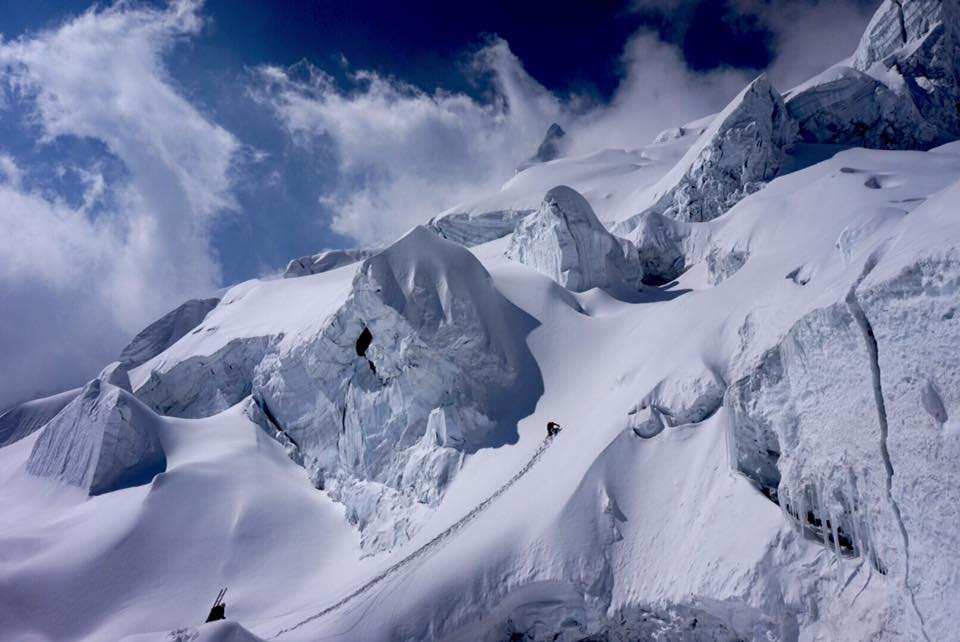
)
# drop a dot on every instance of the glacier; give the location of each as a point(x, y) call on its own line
point(745, 330)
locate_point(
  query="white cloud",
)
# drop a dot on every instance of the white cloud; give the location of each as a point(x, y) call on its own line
point(809, 35)
point(657, 91)
point(74, 287)
point(405, 154)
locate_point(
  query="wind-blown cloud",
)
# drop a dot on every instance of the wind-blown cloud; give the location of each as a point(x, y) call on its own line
point(73, 284)
point(405, 154)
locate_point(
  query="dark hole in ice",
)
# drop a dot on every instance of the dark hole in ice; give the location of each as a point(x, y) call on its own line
point(363, 342)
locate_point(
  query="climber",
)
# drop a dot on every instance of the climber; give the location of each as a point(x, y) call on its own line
point(219, 610)
point(552, 428)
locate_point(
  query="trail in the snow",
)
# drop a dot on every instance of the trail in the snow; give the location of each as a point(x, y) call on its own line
point(429, 546)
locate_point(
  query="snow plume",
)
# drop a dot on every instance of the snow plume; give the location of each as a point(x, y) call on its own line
point(809, 35)
point(657, 91)
point(405, 154)
point(74, 284)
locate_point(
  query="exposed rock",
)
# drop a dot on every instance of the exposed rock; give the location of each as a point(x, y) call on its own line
point(102, 441)
point(739, 152)
point(443, 356)
point(565, 240)
point(473, 229)
point(325, 261)
point(165, 331)
point(550, 148)
point(27, 418)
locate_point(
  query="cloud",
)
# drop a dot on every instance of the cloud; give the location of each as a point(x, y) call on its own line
point(76, 281)
point(405, 154)
point(657, 91)
point(809, 35)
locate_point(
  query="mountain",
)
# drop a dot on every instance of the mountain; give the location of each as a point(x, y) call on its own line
point(743, 332)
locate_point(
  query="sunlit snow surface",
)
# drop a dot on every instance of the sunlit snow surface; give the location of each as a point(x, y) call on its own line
point(608, 532)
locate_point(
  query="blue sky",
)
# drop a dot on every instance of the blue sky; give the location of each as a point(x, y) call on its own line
point(155, 151)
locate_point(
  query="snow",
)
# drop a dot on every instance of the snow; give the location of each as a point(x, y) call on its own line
point(741, 149)
point(764, 447)
point(329, 260)
point(165, 331)
point(27, 418)
point(565, 240)
point(101, 441)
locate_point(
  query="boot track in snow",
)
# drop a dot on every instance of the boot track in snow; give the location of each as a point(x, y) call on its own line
point(429, 546)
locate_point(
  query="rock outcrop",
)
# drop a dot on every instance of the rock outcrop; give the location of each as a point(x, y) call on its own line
point(102, 441)
point(565, 240)
point(165, 331)
point(739, 152)
point(550, 148)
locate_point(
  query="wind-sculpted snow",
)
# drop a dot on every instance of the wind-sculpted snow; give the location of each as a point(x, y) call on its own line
point(383, 427)
point(565, 240)
point(329, 260)
point(165, 331)
point(103, 440)
point(202, 386)
point(473, 229)
point(27, 418)
point(742, 149)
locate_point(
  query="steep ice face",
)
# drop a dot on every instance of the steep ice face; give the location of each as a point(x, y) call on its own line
point(165, 331)
point(741, 149)
point(329, 260)
point(473, 229)
point(204, 385)
point(849, 107)
point(916, 389)
point(565, 240)
point(915, 46)
point(424, 362)
point(103, 440)
point(27, 418)
point(550, 149)
point(665, 247)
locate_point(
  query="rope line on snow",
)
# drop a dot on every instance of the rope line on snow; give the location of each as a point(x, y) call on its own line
point(432, 544)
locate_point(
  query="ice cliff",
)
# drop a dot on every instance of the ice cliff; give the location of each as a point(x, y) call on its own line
point(741, 149)
point(165, 331)
point(565, 240)
point(423, 362)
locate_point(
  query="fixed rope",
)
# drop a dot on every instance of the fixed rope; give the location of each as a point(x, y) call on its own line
point(432, 544)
